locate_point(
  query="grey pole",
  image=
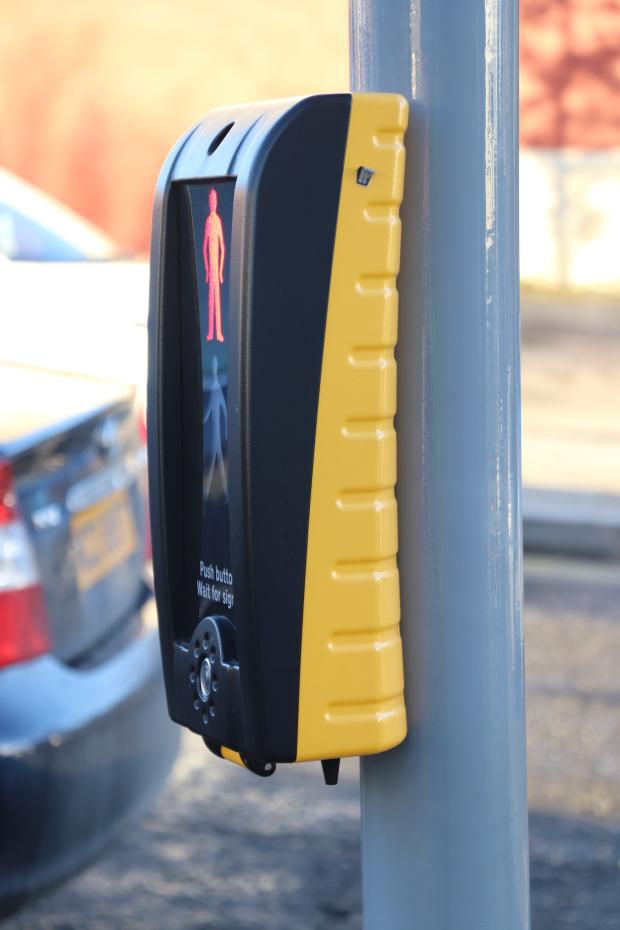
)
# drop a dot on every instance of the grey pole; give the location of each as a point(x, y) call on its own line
point(444, 817)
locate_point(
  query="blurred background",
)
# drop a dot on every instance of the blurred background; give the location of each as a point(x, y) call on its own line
point(92, 99)
point(92, 96)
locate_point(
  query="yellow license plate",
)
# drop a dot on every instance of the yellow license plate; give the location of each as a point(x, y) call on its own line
point(104, 535)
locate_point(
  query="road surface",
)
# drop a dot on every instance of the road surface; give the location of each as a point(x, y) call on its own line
point(223, 850)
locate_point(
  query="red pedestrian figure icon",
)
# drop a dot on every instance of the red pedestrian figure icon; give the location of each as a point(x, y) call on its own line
point(213, 251)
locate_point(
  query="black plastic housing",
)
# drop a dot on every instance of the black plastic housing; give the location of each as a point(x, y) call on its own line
point(285, 160)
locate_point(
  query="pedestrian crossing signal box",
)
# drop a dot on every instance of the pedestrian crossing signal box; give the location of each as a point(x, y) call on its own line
point(272, 450)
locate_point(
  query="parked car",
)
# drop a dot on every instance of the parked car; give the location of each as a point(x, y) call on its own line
point(84, 735)
point(70, 300)
point(35, 227)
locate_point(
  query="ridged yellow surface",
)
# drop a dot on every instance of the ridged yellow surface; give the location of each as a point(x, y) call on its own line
point(351, 684)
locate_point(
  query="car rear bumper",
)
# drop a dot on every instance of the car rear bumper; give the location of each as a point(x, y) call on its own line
point(79, 750)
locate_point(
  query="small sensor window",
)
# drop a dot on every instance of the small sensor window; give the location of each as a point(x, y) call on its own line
point(219, 138)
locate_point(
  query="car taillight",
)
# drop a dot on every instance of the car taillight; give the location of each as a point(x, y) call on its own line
point(8, 504)
point(142, 425)
point(24, 630)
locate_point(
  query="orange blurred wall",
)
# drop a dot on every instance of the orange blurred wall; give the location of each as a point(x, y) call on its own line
point(570, 144)
point(570, 73)
point(92, 95)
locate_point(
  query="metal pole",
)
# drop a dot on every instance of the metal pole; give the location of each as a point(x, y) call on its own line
point(444, 817)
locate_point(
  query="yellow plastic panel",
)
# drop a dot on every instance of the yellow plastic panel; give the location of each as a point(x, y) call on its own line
point(232, 756)
point(351, 683)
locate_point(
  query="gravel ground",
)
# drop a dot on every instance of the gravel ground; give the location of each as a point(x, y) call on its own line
point(572, 656)
point(224, 850)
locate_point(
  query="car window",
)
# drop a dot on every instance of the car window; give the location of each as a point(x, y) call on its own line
point(23, 239)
